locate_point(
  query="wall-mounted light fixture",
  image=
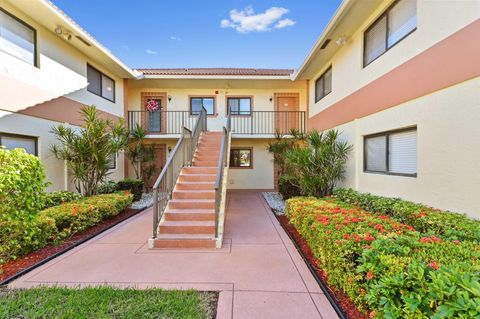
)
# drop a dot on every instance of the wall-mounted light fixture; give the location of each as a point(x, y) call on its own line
point(342, 40)
point(271, 98)
point(169, 149)
point(64, 33)
point(169, 98)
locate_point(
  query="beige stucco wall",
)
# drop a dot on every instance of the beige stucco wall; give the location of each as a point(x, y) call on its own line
point(436, 20)
point(261, 175)
point(448, 149)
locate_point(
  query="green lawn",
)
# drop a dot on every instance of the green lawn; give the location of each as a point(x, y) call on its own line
point(106, 302)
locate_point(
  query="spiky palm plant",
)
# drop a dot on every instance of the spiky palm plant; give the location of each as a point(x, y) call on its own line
point(88, 151)
point(317, 167)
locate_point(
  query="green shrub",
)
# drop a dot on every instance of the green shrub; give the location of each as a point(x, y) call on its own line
point(79, 215)
point(22, 185)
point(108, 188)
point(424, 219)
point(20, 235)
point(135, 186)
point(387, 268)
point(59, 197)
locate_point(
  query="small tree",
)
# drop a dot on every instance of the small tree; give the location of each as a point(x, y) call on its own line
point(141, 156)
point(279, 147)
point(318, 166)
point(88, 151)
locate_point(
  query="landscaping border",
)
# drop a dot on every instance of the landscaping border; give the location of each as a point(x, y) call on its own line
point(68, 248)
point(323, 285)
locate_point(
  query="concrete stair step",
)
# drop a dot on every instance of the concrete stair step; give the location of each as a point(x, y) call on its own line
point(191, 204)
point(203, 163)
point(199, 170)
point(197, 177)
point(194, 185)
point(187, 227)
point(190, 214)
point(174, 241)
point(193, 194)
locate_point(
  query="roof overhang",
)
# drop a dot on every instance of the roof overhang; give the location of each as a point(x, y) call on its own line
point(218, 77)
point(350, 15)
point(48, 15)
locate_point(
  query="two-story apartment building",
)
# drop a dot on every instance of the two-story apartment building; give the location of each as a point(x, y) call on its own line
point(49, 68)
point(400, 79)
point(261, 102)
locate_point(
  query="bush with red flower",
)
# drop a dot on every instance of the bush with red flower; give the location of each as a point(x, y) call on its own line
point(375, 259)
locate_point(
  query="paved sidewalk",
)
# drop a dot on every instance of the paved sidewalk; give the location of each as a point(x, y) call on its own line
point(258, 271)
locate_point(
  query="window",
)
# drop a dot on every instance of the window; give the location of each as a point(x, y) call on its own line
point(323, 85)
point(392, 152)
point(196, 104)
point(390, 28)
point(100, 84)
point(112, 161)
point(239, 105)
point(12, 141)
point(241, 158)
point(17, 38)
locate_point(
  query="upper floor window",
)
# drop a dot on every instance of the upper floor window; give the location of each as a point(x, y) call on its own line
point(392, 152)
point(239, 105)
point(100, 84)
point(17, 38)
point(391, 27)
point(323, 85)
point(12, 141)
point(197, 103)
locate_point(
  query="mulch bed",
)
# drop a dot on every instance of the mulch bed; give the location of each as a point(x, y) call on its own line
point(13, 267)
point(344, 302)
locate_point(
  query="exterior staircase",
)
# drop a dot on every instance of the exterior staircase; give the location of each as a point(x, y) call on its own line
point(189, 217)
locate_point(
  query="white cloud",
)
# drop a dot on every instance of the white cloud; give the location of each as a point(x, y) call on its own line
point(174, 38)
point(151, 51)
point(284, 23)
point(247, 20)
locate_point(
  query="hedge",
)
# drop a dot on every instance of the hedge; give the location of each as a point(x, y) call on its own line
point(20, 236)
point(22, 185)
point(59, 197)
point(386, 267)
point(424, 219)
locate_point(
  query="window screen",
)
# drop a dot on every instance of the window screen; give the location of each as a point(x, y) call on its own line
point(29, 144)
point(323, 85)
point(17, 38)
point(390, 28)
point(376, 151)
point(100, 84)
point(239, 106)
point(241, 158)
point(196, 104)
point(403, 153)
point(391, 152)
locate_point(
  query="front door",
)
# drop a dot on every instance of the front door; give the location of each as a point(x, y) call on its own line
point(154, 119)
point(287, 116)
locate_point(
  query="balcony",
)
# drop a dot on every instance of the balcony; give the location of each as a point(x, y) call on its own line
point(244, 123)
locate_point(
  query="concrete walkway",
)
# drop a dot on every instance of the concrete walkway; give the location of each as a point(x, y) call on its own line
point(258, 271)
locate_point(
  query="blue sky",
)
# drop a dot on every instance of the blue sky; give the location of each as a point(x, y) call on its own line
point(208, 33)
